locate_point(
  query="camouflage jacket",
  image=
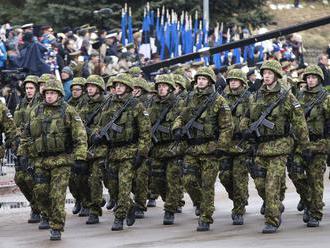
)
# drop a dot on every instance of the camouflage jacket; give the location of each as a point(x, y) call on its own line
point(287, 116)
point(318, 120)
point(7, 126)
point(135, 136)
point(56, 133)
point(216, 120)
point(22, 112)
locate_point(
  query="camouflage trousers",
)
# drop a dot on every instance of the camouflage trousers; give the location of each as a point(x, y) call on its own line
point(96, 177)
point(50, 193)
point(79, 188)
point(269, 173)
point(120, 186)
point(199, 176)
point(140, 185)
point(25, 183)
point(234, 176)
point(307, 176)
point(165, 180)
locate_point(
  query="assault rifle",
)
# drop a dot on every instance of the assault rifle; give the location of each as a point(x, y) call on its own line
point(90, 117)
point(262, 121)
point(319, 99)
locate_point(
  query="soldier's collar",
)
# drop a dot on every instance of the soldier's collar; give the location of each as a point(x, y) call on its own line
point(236, 92)
point(315, 90)
point(277, 88)
point(206, 91)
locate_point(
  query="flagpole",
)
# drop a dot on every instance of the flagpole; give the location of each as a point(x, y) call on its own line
point(206, 11)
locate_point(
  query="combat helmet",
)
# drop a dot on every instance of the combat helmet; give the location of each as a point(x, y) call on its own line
point(135, 71)
point(181, 80)
point(140, 82)
point(54, 84)
point(237, 74)
point(166, 79)
point(125, 79)
point(313, 70)
point(272, 65)
point(206, 72)
point(97, 81)
point(31, 79)
point(45, 77)
point(78, 81)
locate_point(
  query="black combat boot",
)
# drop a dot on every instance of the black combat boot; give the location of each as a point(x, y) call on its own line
point(84, 212)
point(197, 211)
point(269, 228)
point(312, 222)
point(92, 219)
point(139, 213)
point(178, 210)
point(34, 217)
point(117, 225)
point(237, 219)
point(130, 217)
point(203, 226)
point(77, 207)
point(168, 218)
point(151, 203)
point(282, 208)
point(44, 224)
point(300, 206)
point(306, 216)
point(55, 234)
point(110, 204)
point(263, 209)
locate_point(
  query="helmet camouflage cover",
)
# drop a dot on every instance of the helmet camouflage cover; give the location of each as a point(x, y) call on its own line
point(45, 77)
point(237, 74)
point(166, 79)
point(31, 79)
point(313, 70)
point(78, 81)
point(96, 80)
point(181, 80)
point(272, 65)
point(125, 79)
point(140, 82)
point(206, 72)
point(54, 84)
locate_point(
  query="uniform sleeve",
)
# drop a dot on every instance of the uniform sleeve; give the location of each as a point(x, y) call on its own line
point(144, 127)
point(225, 122)
point(79, 136)
point(298, 121)
point(245, 121)
point(8, 124)
point(327, 121)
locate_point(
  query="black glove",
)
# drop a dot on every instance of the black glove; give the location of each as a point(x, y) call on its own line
point(96, 139)
point(80, 167)
point(138, 160)
point(177, 134)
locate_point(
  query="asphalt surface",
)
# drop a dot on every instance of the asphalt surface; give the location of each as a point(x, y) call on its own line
point(149, 232)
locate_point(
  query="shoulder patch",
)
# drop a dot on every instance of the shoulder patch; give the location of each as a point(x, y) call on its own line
point(296, 104)
point(77, 118)
point(9, 115)
point(226, 107)
point(145, 112)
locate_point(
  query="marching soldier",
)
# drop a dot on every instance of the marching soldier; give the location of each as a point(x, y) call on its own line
point(77, 90)
point(56, 139)
point(207, 124)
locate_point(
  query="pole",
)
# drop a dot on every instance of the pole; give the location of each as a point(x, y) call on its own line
point(206, 11)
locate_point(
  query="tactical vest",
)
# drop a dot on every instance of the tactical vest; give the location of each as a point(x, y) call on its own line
point(51, 135)
point(278, 116)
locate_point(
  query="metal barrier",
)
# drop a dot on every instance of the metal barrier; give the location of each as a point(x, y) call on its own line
point(8, 160)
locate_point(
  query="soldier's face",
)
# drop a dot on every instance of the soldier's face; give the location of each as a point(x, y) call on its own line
point(178, 89)
point(76, 91)
point(51, 96)
point(137, 91)
point(269, 77)
point(41, 87)
point(30, 90)
point(312, 81)
point(202, 82)
point(92, 90)
point(163, 89)
point(235, 84)
point(121, 89)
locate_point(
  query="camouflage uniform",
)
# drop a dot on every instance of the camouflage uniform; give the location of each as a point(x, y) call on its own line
point(55, 137)
point(23, 178)
point(80, 101)
point(166, 166)
point(274, 145)
point(233, 168)
point(124, 146)
point(309, 166)
point(200, 162)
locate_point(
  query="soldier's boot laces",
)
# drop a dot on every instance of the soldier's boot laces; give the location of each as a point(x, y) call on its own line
point(130, 217)
point(313, 222)
point(237, 219)
point(203, 226)
point(306, 216)
point(77, 207)
point(84, 212)
point(117, 225)
point(168, 218)
point(44, 224)
point(55, 234)
point(139, 213)
point(110, 204)
point(151, 203)
point(197, 211)
point(269, 229)
point(263, 209)
point(300, 206)
point(92, 219)
point(178, 210)
point(34, 218)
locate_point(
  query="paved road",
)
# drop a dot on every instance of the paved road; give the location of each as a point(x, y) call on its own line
point(15, 232)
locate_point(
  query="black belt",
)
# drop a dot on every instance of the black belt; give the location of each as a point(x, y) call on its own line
point(50, 154)
point(313, 137)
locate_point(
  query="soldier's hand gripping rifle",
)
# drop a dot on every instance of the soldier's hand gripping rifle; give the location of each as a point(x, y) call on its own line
point(262, 121)
point(319, 99)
